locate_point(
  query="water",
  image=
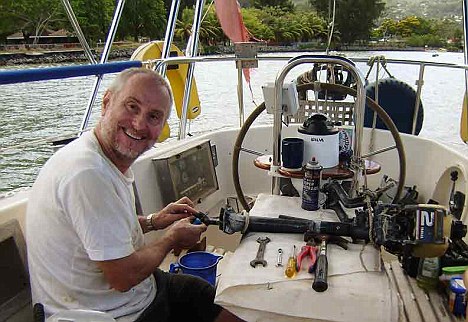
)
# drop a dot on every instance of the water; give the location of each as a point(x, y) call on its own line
point(40, 110)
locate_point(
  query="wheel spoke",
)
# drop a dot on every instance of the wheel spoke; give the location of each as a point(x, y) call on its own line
point(252, 151)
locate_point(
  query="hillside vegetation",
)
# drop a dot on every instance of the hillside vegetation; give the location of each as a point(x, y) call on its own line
point(398, 9)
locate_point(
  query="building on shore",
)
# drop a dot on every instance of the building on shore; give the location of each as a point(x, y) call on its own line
point(49, 38)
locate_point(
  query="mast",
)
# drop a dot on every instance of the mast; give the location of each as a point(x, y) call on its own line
point(465, 40)
point(464, 115)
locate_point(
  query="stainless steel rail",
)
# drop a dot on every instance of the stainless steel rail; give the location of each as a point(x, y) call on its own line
point(199, 59)
point(419, 83)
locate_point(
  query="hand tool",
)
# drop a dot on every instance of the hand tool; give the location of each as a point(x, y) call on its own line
point(320, 283)
point(308, 250)
point(291, 266)
point(204, 218)
point(279, 261)
point(261, 252)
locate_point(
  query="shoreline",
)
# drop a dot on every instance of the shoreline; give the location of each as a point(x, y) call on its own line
point(56, 56)
point(77, 55)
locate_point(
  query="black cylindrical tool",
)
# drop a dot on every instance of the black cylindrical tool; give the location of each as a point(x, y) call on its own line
point(321, 269)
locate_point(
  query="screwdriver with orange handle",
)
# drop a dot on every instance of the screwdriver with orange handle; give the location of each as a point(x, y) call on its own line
point(290, 270)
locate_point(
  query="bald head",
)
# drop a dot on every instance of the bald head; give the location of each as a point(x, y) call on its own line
point(123, 77)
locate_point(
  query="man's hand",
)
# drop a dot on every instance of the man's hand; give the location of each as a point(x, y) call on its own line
point(173, 212)
point(124, 273)
point(183, 234)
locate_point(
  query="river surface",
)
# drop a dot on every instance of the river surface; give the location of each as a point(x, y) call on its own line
point(33, 113)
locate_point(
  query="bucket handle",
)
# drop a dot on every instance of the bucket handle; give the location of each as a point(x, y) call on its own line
point(174, 268)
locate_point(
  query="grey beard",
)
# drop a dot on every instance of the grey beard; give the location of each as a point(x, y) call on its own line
point(122, 152)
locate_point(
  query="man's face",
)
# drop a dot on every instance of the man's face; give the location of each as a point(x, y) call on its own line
point(133, 118)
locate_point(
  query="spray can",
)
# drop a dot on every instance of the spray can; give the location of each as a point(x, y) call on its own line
point(311, 185)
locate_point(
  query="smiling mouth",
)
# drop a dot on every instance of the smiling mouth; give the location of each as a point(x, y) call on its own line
point(133, 136)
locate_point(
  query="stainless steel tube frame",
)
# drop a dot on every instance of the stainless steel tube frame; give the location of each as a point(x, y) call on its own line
point(191, 51)
point(104, 56)
point(358, 113)
point(419, 83)
point(240, 92)
point(171, 23)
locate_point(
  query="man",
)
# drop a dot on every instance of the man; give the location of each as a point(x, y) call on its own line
point(85, 242)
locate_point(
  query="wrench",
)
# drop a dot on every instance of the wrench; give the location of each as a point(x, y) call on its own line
point(261, 252)
point(279, 261)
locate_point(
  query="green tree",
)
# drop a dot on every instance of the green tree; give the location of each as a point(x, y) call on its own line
point(448, 29)
point(277, 25)
point(283, 30)
point(143, 18)
point(183, 28)
point(183, 4)
point(94, 18)
point(32, 18)
point(387, 29)
point(413, 25)
point(429, 40)
point(210, 30)
point(253, 23)
point(285, 5)
point(419, 32)
point(354, 19)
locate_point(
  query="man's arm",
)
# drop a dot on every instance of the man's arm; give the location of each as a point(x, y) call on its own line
point(124, 273)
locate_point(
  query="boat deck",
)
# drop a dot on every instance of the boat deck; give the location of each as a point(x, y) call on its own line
point(415, 304)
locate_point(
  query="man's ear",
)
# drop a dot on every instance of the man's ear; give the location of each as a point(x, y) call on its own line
point(105, 101)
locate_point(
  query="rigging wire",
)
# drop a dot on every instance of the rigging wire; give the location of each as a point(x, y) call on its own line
point(207, 10)
point(331, 25)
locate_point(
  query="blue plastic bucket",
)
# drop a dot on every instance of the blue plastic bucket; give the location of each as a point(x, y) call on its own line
point(202, 264)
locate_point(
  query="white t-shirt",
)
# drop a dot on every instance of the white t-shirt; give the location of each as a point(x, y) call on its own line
point(82, 209)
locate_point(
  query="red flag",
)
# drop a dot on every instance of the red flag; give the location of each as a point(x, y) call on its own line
point(230, 19)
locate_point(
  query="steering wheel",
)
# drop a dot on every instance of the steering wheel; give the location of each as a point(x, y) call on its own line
point(329, 87)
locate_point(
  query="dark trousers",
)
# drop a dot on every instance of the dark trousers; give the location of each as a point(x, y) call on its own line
point(181, 297)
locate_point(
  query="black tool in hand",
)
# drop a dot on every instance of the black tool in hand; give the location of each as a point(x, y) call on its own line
point(321, 270)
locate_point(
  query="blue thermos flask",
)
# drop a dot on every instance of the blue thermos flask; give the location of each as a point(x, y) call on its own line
point(311, 185)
